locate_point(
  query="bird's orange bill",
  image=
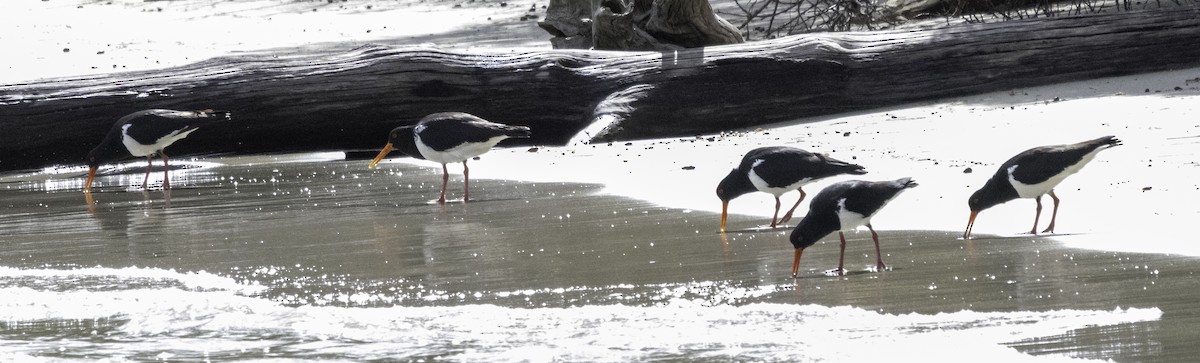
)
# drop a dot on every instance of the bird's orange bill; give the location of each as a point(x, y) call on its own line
point(87, 186)
point(386, 149)
point(970, 223)
point(724, 213)
point(796, 262)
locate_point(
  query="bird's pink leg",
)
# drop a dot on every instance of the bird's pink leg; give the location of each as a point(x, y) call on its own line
point(878, 255)
point(466, 182)
point(166, 172)
point(146, 179)
point(788, 216)
point(1054, 215)
point(1036, 215)
point(445, 180)
point(775, 217)
point(842, 254)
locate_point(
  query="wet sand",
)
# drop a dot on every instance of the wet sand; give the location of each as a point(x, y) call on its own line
point(331, 233)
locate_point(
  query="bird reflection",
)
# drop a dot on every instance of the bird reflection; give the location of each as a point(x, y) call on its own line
point(136, 228)
point(91, 203)
point(724, 245)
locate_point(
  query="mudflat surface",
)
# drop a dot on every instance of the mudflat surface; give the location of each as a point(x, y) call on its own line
point(318, 258)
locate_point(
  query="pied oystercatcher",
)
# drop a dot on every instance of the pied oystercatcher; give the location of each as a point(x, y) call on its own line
point(844, 206)
point(1034, 173)
point(778, 170)
point(449, 137)
point(146, 133)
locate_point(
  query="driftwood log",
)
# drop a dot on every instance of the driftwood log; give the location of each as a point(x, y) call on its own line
point(348, 100)
point(636, 25)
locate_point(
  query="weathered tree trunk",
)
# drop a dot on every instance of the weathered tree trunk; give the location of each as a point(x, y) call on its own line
point(690, 23)
point(348, 101)
point(570, 23)
point(636, 25)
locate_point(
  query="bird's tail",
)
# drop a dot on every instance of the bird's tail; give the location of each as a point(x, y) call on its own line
point(842, 167)
point(848, 168)
point(1107, 142)
point(907, 183)
point(855, 169)
point(521, 132)
point(215, 115)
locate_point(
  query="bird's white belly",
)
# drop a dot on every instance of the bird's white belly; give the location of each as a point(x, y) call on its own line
point(138, 149)
point(1039, 189)
point(457, 153)
point(763, 186)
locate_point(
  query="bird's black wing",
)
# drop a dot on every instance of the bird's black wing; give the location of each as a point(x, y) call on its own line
point(147, 127)
point(784, 166)
point(867, 198)
point(827, 199)
point(1038, 164)
point(443, 131)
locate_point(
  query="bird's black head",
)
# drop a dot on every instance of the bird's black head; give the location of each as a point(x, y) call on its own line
point(92, 159)
point(734, 185)
point(403, 139)
point(990, 196)
point(401, 134)
point(808, 232)
point(995, 191)
point(975, 202)
point(108, 151)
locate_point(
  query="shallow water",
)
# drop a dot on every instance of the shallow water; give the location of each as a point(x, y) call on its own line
point(323, 259)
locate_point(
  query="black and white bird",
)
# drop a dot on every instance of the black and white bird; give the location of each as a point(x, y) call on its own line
point(144, 134)
point(778, 170)
point(844, 206)
point(449, 137)
point(1034, 173)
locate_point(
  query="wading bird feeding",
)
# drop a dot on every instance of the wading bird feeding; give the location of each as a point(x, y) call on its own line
point(1034, 173)
point(841, 207)
point(146, 133)
point(778, 170)
point(449, 137)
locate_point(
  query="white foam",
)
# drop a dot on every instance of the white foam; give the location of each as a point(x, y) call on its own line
point(193, 280)
point(186, 323)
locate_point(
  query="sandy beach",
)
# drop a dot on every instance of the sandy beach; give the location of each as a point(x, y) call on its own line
point(82, 37)
point(590, 252)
